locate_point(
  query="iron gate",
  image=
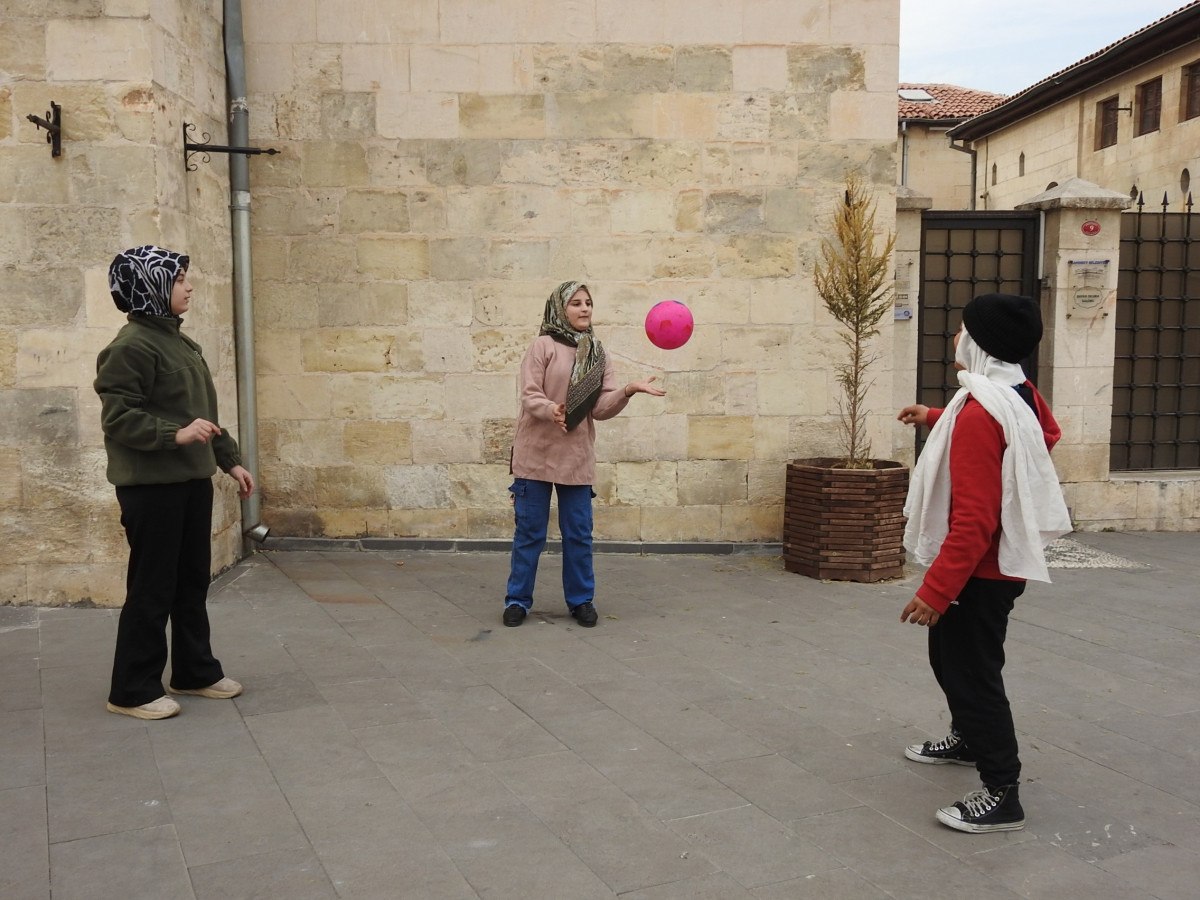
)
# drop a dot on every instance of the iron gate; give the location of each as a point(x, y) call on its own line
point(964, 254)
point(1156, 370)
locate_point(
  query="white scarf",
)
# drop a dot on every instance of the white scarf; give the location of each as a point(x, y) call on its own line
point(1032, 511)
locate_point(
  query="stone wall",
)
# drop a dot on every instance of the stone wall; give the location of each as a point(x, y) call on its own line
point(446, 163)
point(935, 169)
point(127, 73)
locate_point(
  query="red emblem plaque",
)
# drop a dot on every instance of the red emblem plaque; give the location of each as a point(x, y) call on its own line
point(1091, 228)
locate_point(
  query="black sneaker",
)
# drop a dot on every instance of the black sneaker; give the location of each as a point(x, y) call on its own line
point(514, 615)
point(992, 809)
point(950, 749)
point(585, 614)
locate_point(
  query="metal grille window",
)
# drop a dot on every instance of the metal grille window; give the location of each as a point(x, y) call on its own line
point(1156, 372)
point(1149, 106)
point(1190, 91)
point(1106, 122)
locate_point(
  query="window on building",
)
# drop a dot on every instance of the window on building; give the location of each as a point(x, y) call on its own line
point(1106, 122)
point(1148, 106)
point(1021, 165)
point(993, 173)
point(1190, 92)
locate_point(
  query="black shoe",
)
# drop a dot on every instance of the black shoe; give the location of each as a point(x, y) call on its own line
point(950, 749)
point(585, 614)
point(514, 615)
point(992, 809)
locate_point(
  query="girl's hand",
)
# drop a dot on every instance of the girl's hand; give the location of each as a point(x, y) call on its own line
point(644, 387)
point(560, 416)
point(244, 479)
point(199, 430)
point(914, 415)
point(919, 613)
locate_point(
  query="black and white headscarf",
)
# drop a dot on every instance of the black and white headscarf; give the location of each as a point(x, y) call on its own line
point(141, 280)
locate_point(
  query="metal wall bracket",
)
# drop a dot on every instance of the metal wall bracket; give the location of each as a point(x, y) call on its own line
point(53, 125)
point(190, 149)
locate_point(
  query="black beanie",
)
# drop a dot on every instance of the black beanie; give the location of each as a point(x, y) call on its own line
point(1005, 326)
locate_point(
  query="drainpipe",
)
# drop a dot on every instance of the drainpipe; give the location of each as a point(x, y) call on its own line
point(253, 531)
point(904, 152)
point(972, 153)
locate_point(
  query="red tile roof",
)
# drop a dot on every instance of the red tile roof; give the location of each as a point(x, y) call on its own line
point(949, 102)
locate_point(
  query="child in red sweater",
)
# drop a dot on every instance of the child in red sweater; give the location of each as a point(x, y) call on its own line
point(983, 503)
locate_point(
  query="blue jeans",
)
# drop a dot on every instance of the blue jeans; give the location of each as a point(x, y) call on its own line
point(531, 511)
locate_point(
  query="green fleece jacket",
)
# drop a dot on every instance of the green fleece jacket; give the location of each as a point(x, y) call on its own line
point(152, 380)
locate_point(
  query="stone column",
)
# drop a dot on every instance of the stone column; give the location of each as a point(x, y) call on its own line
point(1081, 241)
point(910, 204)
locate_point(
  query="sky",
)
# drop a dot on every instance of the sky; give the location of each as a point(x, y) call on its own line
point(1005, 46)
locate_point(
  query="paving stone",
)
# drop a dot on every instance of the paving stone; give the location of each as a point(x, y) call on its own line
point(120, 865)
point(24, 853)
point(294, 874)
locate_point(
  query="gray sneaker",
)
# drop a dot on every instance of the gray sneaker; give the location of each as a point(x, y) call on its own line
point(950, 749)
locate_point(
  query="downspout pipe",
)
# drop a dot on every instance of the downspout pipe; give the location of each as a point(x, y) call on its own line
point(253, 531)
point(970, 151)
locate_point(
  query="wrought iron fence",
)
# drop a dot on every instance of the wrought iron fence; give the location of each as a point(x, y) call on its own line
point(1156, 371)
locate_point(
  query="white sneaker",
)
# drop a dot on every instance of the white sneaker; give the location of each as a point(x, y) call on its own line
point(162, 708)
point(222, 690)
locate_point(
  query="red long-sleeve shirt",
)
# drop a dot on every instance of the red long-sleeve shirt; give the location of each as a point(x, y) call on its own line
point(972, 546)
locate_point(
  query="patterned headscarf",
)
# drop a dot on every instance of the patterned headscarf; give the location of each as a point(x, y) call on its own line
point(587, 375)
point(141, 280)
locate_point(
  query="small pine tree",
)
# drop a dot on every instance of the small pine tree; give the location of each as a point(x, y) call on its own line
point(850, 280)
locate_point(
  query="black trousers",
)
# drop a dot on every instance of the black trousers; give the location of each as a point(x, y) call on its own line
point(169, 529)
point(966, 652)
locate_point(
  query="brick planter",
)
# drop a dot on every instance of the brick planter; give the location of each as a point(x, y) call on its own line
point(844, 524)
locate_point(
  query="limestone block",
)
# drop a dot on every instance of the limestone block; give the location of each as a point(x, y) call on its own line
point(362, 350)
point(348, 22)
point(371, 67)
point(98, 49)
point(634, 212)
point(38, 416)
point(295, 522)
point(477, 486)
point(363, 211)
point(696, 394)
point(614, 523)
point(61, 535)
point(495, 116)
point(1171, 504)
point(734, 212)
point(743, 165)
point(377, 303)
point(352, 487)
point(439, 303)
point(446, 68)
point(378, 442)
point(23, 50)
point(647, 483)
point(10, 478)
point(499, 349)
point(315, 258)
point(626, 259)
point(641, 438)
point(285, 486)
point(54, 296)
point(497, 440)
point(59, 358)
point(457, 259)
point(756, 524)
point(284, 170)
point(688, 117)
point(600, 114)
point(519, 259)
point(285, 305)
point(446, 350)
point(340, 164)
point(658, 164)
point(744, 117)
point(862, 115)
point(594, 163)
point(66, 477)
point(348, 114)
point(279, 352)
point(295, 396)
point(1081, 462)
point(747, 256)
point(100, 584)
point(765, 480)
point(417, 487)
point(6, 117)
point(848, 24)
point(427, 211)
point(755, 348)
point(280, 22)
point(789, 210)
point(298, 117)
point(530, 162)
point(449, 523)
point(794, 394)
point(355, 523)
point(720, 437)
point(91, 117)
point(1102, 499)
point(689, 211)
point(13, 590)
point(683, 257)
point(269, 67)
point(498, 70)
point(673, 524)
point(820, 69)
point(635, 68)
point(475, 162)
point(563, 68)
point(393, 258)
point(436, 441)
point(270, 256)
point(292, 212)
point(782, 301)
point(25, 176)
point(478, 397)
point(786, 22)
point(83, 237)
point(308, 442)
point(370, 396)
point(712, 482)
point(133, 112)
point(539, 211)
point(400, 114)
point(760, 68)
point(799, 117)
point(704, 69)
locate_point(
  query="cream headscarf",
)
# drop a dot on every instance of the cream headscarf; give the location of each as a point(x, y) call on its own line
point(1032, 511)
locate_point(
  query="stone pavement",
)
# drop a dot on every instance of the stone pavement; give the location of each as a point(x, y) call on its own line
point(728, 731)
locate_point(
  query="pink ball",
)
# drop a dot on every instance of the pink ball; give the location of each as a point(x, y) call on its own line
point(669, 324)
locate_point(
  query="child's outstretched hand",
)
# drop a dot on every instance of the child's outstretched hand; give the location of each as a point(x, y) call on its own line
point(644, 387)
point(560, 416)
point(917, 414)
